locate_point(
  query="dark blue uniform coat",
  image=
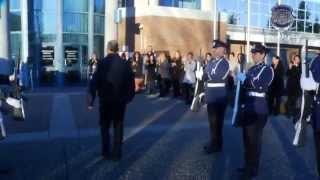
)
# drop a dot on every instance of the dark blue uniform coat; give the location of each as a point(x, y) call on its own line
point(258, 79)
point(216, 72)
point(315, 69)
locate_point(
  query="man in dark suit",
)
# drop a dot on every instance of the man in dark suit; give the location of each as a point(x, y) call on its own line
point(114, 83)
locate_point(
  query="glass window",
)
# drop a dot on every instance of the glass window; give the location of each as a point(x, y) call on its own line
point(15, 21)
point(166, 3)
point(14, 4)
point(126, 3)
point(78, 6)
point(191, 4)
point(15, 39)
point(45, 5)
point(75, 38)
point(99, 46)
point(48, 23)
point(98, 24)
point(99, 6)
point(75, 22)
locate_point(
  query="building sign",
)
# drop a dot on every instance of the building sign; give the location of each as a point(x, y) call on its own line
point(71, 55)
point(282, 17)
point(47, 55)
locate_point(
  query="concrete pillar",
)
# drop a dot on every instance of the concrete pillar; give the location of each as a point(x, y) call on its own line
point(91, 28)
point(110, 24)
point(58, 55)
point(24, 31)
point(207, 5)
point(4, 29)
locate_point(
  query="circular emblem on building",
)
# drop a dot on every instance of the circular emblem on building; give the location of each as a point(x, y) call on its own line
point(282, 17)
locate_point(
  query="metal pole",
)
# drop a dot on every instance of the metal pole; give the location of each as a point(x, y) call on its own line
point(4, 30)
point(215, 20)
point(279, 36)
point(248, 30)
point(24, 30)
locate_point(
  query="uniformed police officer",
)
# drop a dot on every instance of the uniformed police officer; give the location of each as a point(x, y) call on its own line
point(254, 109)
point(215, 74)
point(315, 70)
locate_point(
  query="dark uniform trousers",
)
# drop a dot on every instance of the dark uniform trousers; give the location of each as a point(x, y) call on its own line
point(252, 138)
point(112, 114)
point(316, 135)
point(216, 117)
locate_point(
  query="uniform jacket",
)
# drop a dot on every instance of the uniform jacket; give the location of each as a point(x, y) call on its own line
point(258, 79)
point(113, 80)
point(315, 70)
point(216, 72)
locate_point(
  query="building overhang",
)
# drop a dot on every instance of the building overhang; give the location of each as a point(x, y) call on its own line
point(238, 33)
point(164, 11)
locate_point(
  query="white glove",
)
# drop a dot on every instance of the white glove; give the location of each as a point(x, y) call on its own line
point(199, 74)
point(12, 77)
point(308, 84)
point(241, 77)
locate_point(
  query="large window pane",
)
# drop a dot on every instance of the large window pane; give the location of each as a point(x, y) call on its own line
point(99, 6)
point(75, 22)
point(15, 39)
point(191, 4)
point(75, 38)
point(15, 21)
point(45, 5)
point(98, 24)
point(48, 23)
point(14, 4)
point(75, 6)
point(99, 46)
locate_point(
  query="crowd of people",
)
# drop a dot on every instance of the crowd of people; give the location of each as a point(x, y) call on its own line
point(174, 75)
point(161, 73)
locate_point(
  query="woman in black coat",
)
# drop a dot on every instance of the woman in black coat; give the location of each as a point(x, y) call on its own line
point(277, 86)
point(293, 86)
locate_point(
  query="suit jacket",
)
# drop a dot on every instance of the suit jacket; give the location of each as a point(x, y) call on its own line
point(113, 80)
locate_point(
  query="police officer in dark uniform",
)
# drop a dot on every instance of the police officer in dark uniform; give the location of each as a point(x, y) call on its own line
point(114, 82)
point(315, 117)
point(215, 74)
point(254, 109)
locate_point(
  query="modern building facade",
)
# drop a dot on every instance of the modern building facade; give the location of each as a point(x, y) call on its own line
point(188, 25)
point(58, 36)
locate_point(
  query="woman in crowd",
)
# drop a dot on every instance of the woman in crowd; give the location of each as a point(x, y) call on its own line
point(176, 71)
point(164, 74)
point(189, 77)
point(293, 86)
point(137, 70)
point(277, 86)
point(93, 63)
point(150, 67)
